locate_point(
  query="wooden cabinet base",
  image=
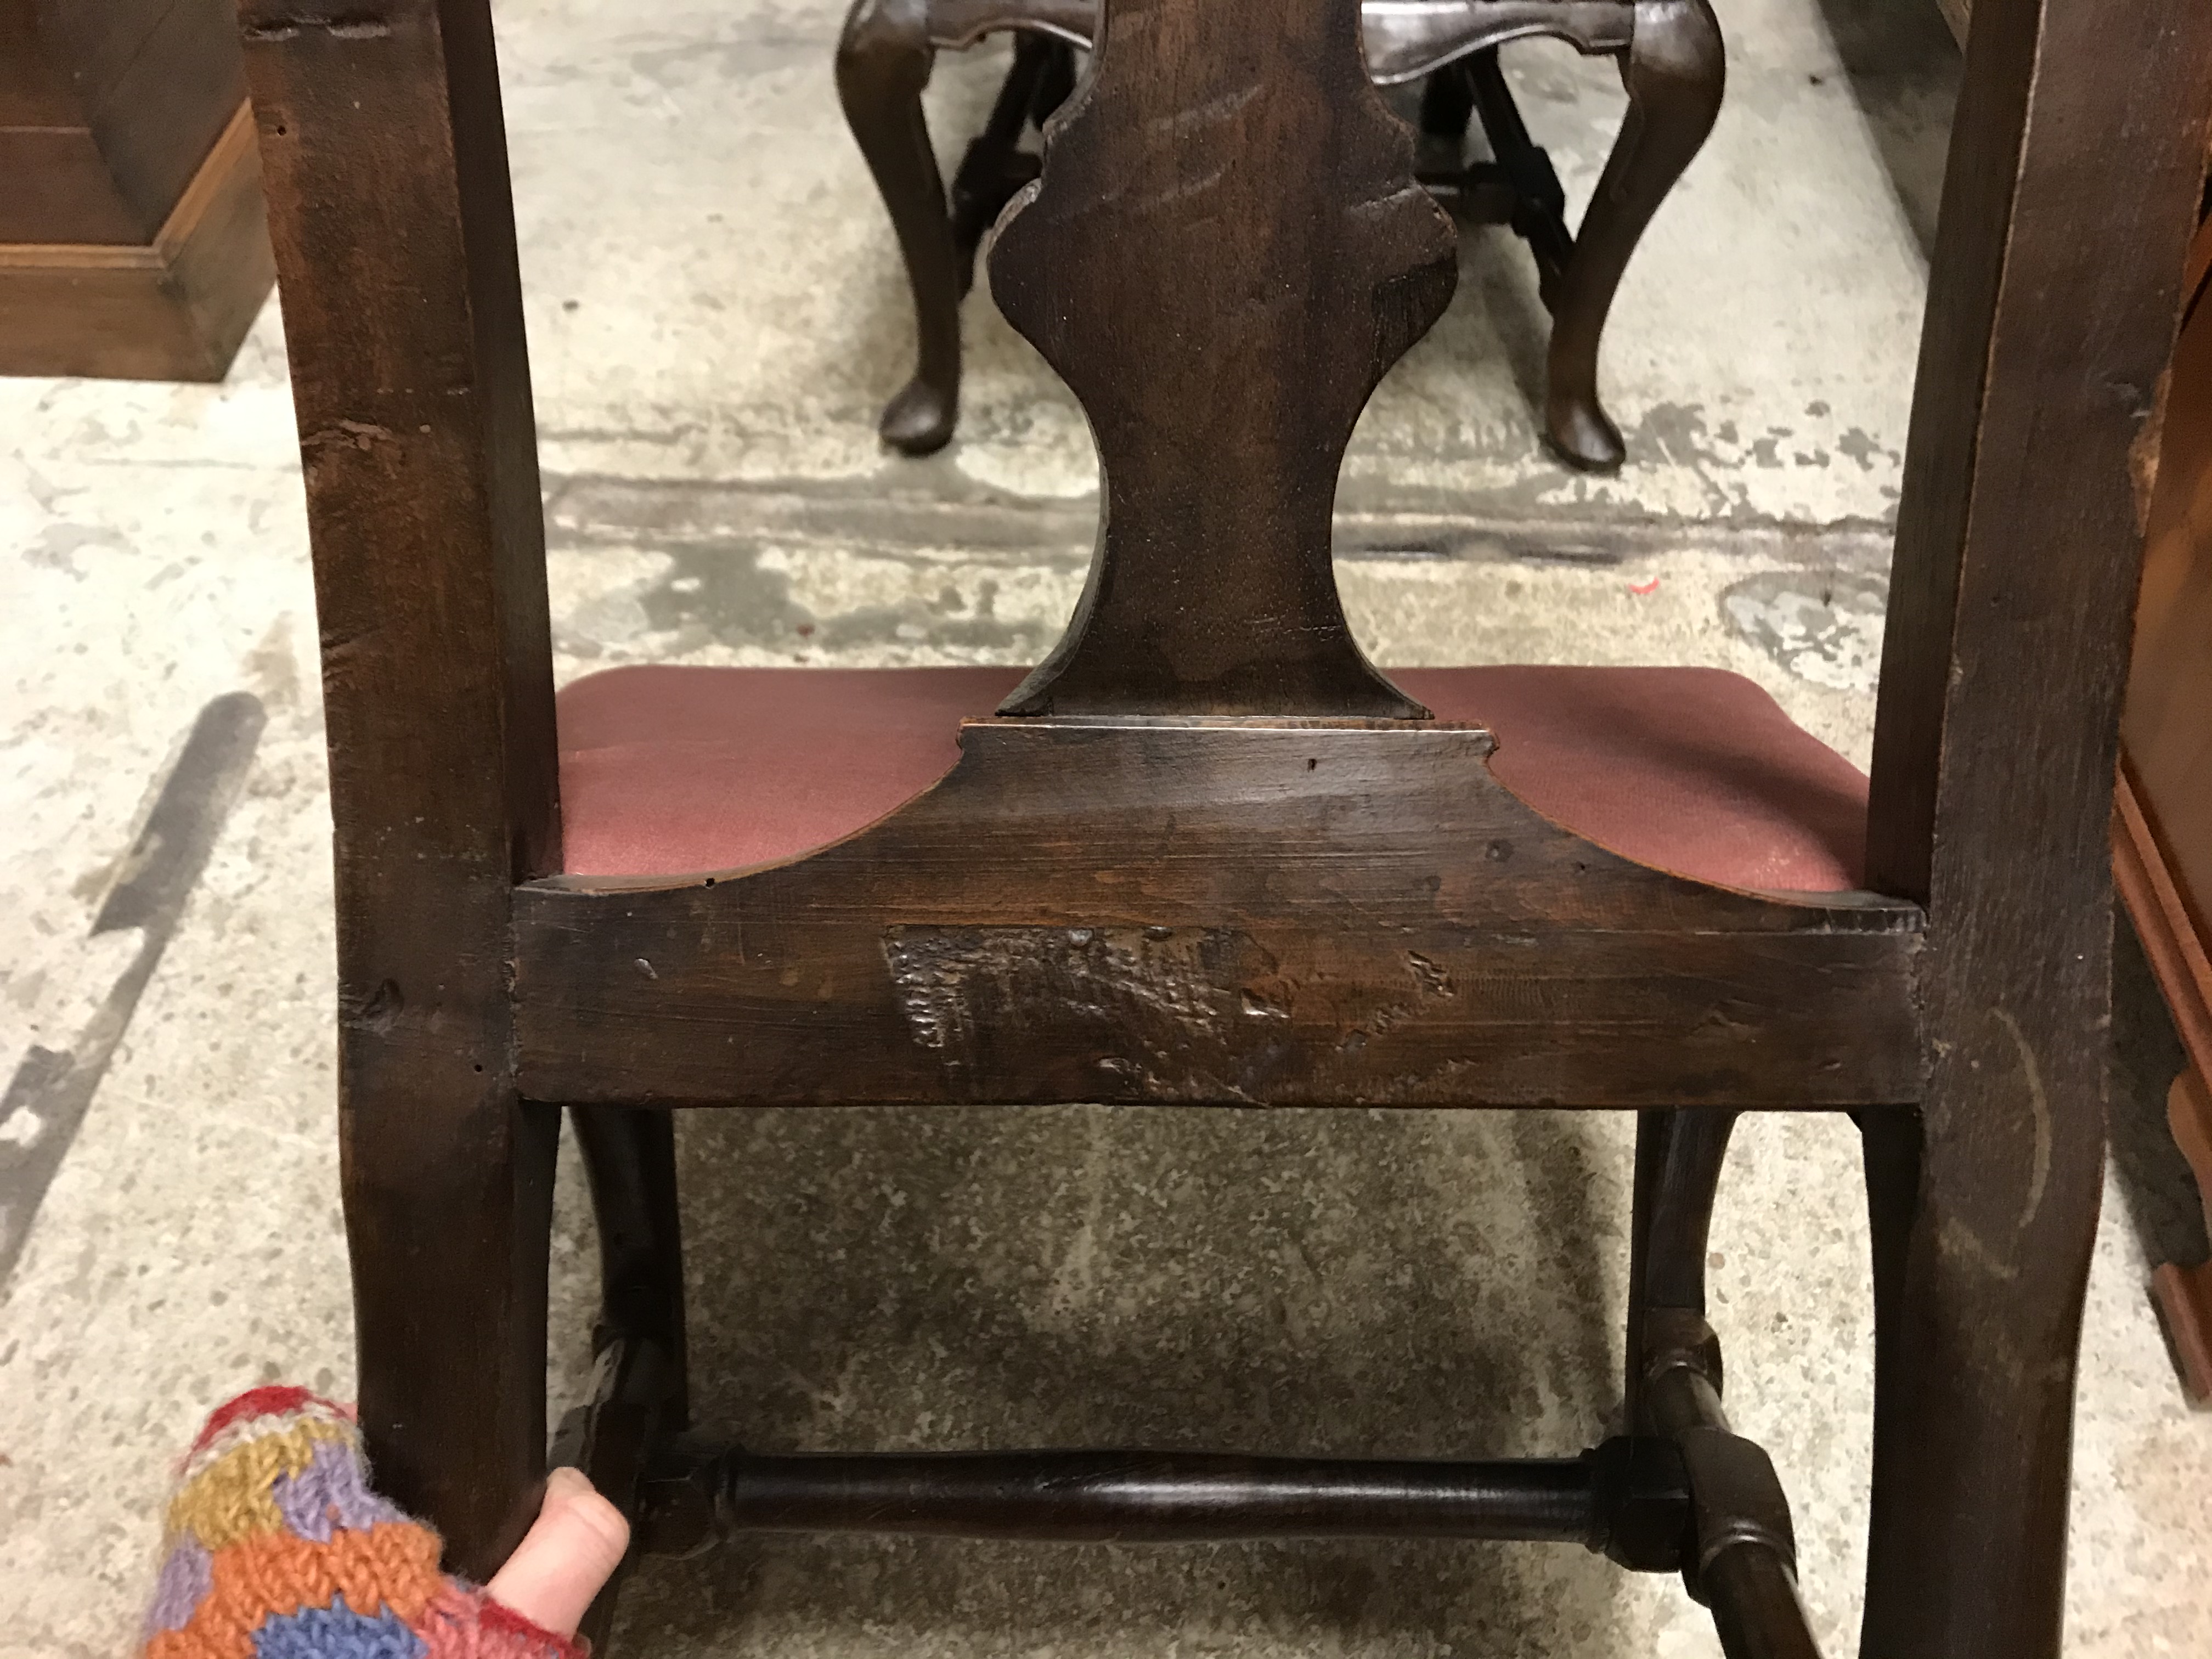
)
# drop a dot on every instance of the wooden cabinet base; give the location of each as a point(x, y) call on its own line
point(2177, 961)
point(172, 310)
point(2185, 1294)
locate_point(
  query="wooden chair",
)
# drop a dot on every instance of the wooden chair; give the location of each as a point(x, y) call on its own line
point(1671, 62)
point(1206, 854)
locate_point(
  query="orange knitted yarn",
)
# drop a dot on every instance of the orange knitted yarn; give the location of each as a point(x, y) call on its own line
point(394, 1565)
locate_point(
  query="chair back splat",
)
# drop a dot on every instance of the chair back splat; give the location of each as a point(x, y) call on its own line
point(1225, 251)
point(1206, 854)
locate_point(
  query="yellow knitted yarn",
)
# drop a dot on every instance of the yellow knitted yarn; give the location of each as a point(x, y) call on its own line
point(230, 1500)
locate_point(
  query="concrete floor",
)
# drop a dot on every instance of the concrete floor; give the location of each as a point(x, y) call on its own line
point(716, 313)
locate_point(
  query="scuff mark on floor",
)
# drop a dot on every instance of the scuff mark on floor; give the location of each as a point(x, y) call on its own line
point(52, 1089)
point(1822, 626)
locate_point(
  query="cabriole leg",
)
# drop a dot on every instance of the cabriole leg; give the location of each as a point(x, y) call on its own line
point(884, 60)
point(639, 1393)
point(1674, 70)
point(448, 1220)
point(1981, 1242)
point(629, 1159)
point(1679, 1156)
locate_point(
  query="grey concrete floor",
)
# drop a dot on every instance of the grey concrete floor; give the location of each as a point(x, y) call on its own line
point(716, 312)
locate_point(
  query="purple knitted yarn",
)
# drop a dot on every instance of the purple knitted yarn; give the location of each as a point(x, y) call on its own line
point(187, 1575)
point(329, 1493)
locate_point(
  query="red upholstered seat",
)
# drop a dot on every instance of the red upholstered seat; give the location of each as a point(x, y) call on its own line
point(668, 770)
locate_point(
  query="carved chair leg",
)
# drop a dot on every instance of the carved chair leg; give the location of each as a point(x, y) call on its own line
point(1674, 72)
point(1447, 105)
point(1744, 1563)
point(1679, 1156)
point(995, 167)
point(1539, 204)
point(1057, 84)
point(884, 60)
point(1890, 1147)
point(630, 1158)
point(1981, 1235)
point(449, 1208)
point(640, 1393)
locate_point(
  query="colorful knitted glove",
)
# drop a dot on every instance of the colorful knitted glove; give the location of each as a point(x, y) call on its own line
point(276, 1548)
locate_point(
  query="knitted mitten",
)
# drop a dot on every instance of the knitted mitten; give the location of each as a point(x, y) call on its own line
point(276, 1548)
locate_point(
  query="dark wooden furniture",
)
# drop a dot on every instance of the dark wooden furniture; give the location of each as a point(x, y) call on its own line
point(2162, 826)
point(1206, 854)
point(1671, 62)
point(132, 239)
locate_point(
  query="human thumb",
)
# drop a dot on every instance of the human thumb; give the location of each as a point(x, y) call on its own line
point(569, 1553)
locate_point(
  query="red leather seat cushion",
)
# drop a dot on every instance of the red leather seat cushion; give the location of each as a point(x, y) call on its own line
point(667, 770)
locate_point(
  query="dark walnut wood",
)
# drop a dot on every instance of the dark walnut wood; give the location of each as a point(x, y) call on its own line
point(2017, 548)
point(1625, 1498)
point(385, 165)
point(1251, 913)
point(1211, 592)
